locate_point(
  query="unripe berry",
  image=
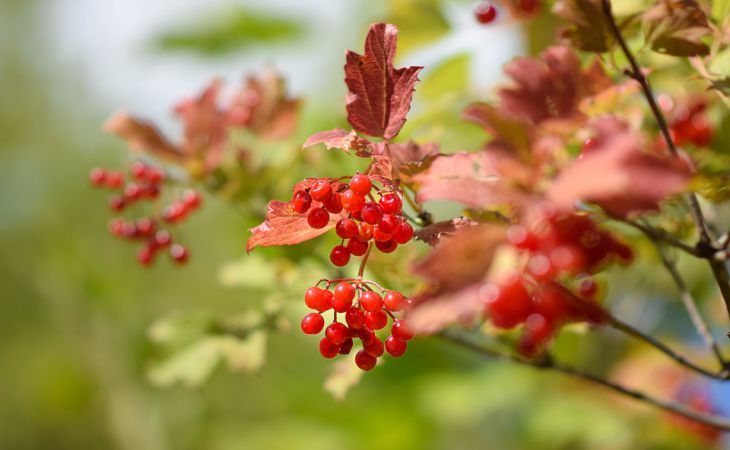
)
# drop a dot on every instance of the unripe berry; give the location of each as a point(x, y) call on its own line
point(365, 361)
point(340, 255)
point(395, 346)
point(312, 323)
point(361, 184)
point(376, 320)
point(371, 301)
point(318, 218)
point(327, 348)
point(337, 333)
point(391, 203)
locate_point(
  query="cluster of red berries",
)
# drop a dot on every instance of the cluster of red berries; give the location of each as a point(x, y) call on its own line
point(365, 312)
point(556, 249)
point(367, 220)
point(690, 125)
point(145, 184)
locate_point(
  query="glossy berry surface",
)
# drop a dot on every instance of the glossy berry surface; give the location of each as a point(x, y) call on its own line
point(312, 323)
point(484, 12)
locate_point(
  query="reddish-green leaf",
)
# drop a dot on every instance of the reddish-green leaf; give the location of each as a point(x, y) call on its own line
point(675, 27)
point(589, 29)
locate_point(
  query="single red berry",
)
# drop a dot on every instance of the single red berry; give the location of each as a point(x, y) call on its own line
point(117, 203)
point(97, 176)
point(145, 255)
point(365, 361)
point(357, 247)
point(191, 199)
point(403, 233)
point(366, 335)
point(391, 203)
point(333, 203)
point(114, 180)
point(375, 348)
point(394, 301)
point(132, 191)
point(352, 201)
point(361, 184)
point(346, 347)
point(484, 12)
point(386, 246)
point(151, 191)
point(320, 190)
point(587, 288)
point(376, 320)
point(340, 255)
point(318, 218)
point(116, 227)
point(129, 230)
point(371, 213)
point(337, 333)
point(355, 318)
point(356, 216)
point(179, 254)
point(327, 348)
point(301, 201)
point(174, 212)
point(388, 224)
point(312, 323)
point(343, 296)
point(400, 330)
point(155, 175)
point(379, 235)
point(395, 346)
point(530, 6)
point(317, 299)
point(507, 303)
point(146, 226)
point(138, 170)
point(346, 228)
point(371, 301)
point(364, 231)
point(163, 238)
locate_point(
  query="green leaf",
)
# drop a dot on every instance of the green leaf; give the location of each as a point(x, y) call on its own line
point(228, 30)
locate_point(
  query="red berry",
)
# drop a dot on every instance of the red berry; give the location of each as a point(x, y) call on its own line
point(145, 255)
point(364, 232)
point(568, 258)
point(154, 175)
point(391, 203)
point(191, 199)
point(355, 318)
point(529, 6)
point(376, 320)
point(343, 296)
point(346, 347)
point(371, 213)
point(133, 191)
point(346, 228)
point(375, 348)
point(540, 267)
point(318, 218)
point(403, 233)
point(394, 301)
point(116, 203)
point(138, 170)
point(520, 238)
point(97, 176)
point(371, 301)
point(114, 180)
point(366, 335)
point(327, 348)
point(485, 12)
point(388, 224)
point(337, 333)
point(508, 303)
point(357, 247)
point(386, 246)
point(340, 255)
point(352, 201)
point(145, 226)
point(365, 361)
point(395, 346)
point(163, 238)
point(317, 299)
point(179, 254)
point(129, 230)
point(320, 190)
point(379, 235)
point(173, 212)
point(333, 203)
point(587, 288)
point(151, 191)
point(401, 331)
point(301, 201)
point(116, 227)
point(361, 184)
point(312, 323)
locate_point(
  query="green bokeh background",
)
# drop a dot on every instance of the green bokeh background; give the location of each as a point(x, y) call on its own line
point(76, 309)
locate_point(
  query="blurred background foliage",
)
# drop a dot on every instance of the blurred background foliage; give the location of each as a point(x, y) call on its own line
point(99, 353)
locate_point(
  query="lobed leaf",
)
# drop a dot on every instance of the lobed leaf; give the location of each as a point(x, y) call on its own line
point(589, 29)
point(676, 27)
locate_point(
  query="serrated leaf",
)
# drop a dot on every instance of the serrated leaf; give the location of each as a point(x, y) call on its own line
point(675, 27)
point(379, 95)
point(589, 29)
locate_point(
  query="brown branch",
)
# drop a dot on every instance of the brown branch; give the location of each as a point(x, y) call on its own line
point(719, 269)
point(656, 234)
point(546, 362)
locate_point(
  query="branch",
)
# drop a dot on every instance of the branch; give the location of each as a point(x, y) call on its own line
point(691, 307)
point(662, 347)
point(719, 269)
point(547, 363)
point(656, 234)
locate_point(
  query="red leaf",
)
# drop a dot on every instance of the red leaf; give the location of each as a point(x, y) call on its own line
point(263, 106)
point(142, 136)
point(617, 175)
point(283, 226)
point(432, 234)
point(379, 95)
point(407, 158)
point(341, 139)
point(442, 310)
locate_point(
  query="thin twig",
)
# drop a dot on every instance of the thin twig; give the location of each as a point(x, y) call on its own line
point(662, 347)
point(547, 363)
point(656, 234)
point(691, 307)
point(719, 269)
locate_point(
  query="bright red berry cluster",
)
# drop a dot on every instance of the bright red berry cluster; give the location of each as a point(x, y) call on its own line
point(556, 251)
point(366, 220)
point(145, 184)
point(365, 312)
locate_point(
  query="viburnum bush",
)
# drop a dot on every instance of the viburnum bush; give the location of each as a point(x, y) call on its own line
point(580, 155)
